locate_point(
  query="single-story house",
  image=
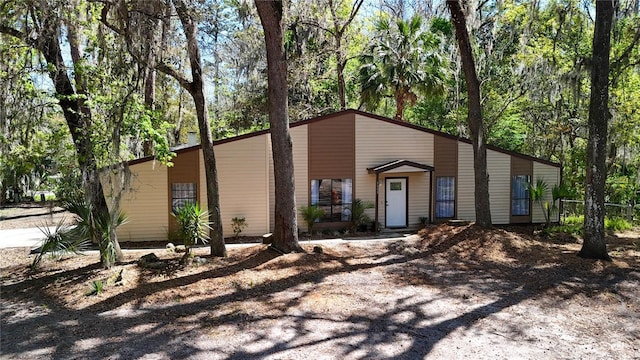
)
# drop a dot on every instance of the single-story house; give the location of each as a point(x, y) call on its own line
point(411, 174)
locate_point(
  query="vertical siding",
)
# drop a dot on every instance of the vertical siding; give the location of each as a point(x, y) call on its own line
point(445, 163)
point(185, 169)
point(379, 142)
point(242, 174)
point(465, 201)
point(145, 203)
point(332, 148)
point(499, 169)
point(551, 175)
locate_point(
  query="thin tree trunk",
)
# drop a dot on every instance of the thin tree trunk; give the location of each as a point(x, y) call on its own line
point(474, 117)
point(594, 245)
point(196, 89)
point(285, 233)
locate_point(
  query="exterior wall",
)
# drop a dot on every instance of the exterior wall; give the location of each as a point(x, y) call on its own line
point(185, 169)
point(465, 201)
point(301, 172)
point(379, 142)
point(299, 137)
point(243, 176)
point(499, 169)
point(145, 203)
point(551, 175)
point(520, 166)
point(445, 163)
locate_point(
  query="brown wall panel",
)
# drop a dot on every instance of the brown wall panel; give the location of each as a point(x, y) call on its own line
point(520, 166)
point(185, 169)
point(445, 162)
point(332, 148)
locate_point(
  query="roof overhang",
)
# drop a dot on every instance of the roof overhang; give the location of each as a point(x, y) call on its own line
point(400, 166)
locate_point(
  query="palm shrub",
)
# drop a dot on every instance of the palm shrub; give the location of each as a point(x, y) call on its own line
point(311, 214)
point(90, 227)
point(358, 215)
point(539, 191)
point(58, 242)
point(193, 225)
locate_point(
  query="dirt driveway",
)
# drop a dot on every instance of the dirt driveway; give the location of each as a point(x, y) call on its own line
point(452, 292)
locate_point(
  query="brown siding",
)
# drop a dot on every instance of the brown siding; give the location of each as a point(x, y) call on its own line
point(445, 163)
point(332, 148)
point(185, 169)
point(520, 166)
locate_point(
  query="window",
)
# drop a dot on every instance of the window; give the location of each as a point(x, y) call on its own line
point(520, 195)
point(182, 193)
point(334, 196)
point(445, 196)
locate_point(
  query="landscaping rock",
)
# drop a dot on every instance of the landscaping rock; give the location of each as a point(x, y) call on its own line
point(170, 247)
point(180, 249)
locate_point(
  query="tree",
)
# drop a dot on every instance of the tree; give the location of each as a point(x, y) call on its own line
point(196, 89)
point(285, 233)
point(400, 63)
point(594, 245)
point(41, 32)
point(474, 117)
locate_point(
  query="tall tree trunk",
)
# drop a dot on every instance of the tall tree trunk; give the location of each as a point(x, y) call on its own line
point(78, 118)
point(474, 117)
point(196, 89)
point(285, 233)
point(594, 245)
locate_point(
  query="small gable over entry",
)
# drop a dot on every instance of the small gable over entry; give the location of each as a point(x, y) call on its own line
point(398, 166)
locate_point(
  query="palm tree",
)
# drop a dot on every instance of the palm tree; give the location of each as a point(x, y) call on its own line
point(401, 63)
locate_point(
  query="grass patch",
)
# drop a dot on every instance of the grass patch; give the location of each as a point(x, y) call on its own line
point(575, 225)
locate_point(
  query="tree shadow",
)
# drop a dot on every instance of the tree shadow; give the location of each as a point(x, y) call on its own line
point(108, 329)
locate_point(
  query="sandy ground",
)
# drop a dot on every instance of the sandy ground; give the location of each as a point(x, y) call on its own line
point(450, 292)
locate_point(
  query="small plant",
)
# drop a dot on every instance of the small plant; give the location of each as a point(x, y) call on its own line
point(424, 220)
point(238, 224)
point(311, 214)
point(95, 287)
point(59, 241)
point(359, 218)
point(193, 225)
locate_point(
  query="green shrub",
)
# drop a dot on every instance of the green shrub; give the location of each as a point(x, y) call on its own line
point(193, 225)
point(238, 224)
point(617, 224)
point(359, 218)
point(311, 214)
point(60, 241)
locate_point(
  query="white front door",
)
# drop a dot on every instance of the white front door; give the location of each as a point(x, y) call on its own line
point(396, 198)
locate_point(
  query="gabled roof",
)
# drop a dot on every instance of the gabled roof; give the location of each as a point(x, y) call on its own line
point(362, 113)
point(400, 166)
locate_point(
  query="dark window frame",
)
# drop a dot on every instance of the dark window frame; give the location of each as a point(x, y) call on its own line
point(517, 197)
point(182, 196)
point(333, 201)
point(446, 200)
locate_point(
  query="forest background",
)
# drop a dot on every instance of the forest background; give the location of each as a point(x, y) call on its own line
point(391, 57)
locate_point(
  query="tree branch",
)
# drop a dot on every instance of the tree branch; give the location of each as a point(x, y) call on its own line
point(170, 71)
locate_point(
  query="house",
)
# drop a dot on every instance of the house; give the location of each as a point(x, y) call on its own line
point(409, 172)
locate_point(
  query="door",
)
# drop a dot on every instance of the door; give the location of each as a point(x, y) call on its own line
point(396, 201)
